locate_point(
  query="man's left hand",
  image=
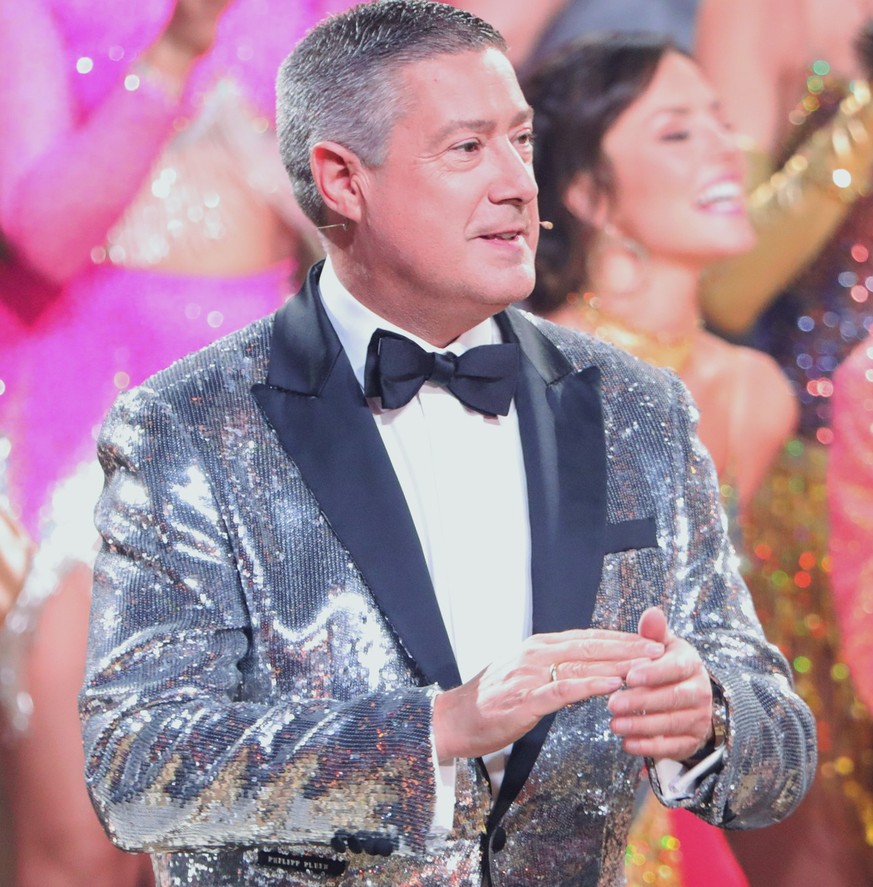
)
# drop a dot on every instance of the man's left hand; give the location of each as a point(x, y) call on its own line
point(665, 711)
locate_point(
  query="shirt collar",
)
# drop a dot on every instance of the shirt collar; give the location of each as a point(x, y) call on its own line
point(355, 324)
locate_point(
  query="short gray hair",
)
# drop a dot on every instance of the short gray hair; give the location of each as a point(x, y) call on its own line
point(340, 83)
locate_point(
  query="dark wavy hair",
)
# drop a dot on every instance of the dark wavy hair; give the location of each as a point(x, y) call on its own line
point(577, 94)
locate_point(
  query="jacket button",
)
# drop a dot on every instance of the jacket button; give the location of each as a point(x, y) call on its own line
point(383, 847)
point(498, 839)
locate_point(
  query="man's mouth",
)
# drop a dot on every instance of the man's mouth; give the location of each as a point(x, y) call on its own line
point(502, 235)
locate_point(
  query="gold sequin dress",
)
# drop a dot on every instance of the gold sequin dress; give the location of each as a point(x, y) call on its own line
point(810, 328)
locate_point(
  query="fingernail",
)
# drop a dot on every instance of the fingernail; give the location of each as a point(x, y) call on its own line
point(654, 649)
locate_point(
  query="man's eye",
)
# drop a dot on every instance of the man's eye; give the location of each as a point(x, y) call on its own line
point(468, 147)
point(679, 135)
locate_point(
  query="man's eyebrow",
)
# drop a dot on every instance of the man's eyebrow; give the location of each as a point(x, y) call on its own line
point(479, 125)
point(524, 116)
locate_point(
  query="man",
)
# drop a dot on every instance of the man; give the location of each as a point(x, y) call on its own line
point(356, 625)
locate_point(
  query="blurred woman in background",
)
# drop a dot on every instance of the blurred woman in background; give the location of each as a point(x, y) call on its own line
point(794, 78)
point(643, 183)
point(145, 212)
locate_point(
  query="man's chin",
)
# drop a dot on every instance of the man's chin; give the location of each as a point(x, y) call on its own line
point(519, 286)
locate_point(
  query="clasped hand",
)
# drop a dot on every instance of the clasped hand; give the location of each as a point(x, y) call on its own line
point(659, 692)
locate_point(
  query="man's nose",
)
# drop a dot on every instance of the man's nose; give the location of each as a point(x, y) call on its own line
point(514, 178)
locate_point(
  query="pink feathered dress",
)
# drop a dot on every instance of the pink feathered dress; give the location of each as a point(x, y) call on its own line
point(137, 225)
point(850, 500)
point(101, 179)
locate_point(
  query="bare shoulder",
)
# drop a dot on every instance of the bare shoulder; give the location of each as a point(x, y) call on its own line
point(752, 390)
point(765, 399)
point(756, 407)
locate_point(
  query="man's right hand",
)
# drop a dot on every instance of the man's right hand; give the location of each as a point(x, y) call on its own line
point(508, 698)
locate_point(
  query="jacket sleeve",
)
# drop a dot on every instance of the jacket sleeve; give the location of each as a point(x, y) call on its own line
point(180, 752)
point(770, 753)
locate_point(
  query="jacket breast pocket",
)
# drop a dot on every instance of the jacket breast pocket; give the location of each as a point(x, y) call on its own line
point(634, 574)
point(630, 534)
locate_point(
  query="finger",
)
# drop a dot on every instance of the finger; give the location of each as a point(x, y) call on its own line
point(653, 625)
point(628, 646)
point(555, 695)
point(687, 695)
point(582, 634)
point(687, 723)
point(680, 663)
point(676, 748)
point(16, 554)
point(11, 531)
point(570, 669)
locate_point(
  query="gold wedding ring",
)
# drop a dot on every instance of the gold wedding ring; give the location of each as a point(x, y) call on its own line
point(553, 672)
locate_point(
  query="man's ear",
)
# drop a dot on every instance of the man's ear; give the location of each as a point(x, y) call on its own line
point(337, 172)
point(583, 201)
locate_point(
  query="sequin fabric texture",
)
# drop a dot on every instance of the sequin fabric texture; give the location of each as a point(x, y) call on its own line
point(828, 309)
point(244, 691)
point(825, 313)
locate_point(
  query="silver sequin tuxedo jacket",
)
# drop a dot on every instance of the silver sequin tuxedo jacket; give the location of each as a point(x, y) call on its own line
point(266, 643)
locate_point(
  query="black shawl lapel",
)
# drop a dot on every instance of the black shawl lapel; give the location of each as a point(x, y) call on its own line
point(562, 435)
point(316, 406)
point(561, 425)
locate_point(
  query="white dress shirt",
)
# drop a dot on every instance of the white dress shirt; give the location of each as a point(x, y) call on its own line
point(463, 478)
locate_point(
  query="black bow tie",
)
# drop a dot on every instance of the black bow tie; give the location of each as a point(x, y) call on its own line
point(482, 378)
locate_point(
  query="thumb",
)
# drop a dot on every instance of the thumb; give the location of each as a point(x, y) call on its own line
point(653, 625)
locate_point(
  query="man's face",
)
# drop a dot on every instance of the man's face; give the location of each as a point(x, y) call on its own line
point(449, 224)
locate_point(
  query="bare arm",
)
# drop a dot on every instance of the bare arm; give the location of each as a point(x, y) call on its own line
point(739, 49)
point(521, 23)
point(64, 180)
